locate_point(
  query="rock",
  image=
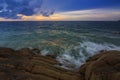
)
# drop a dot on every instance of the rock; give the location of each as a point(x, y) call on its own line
point(35, 51)
point(23, 65)
point(6, 52)
point(24, 51)
point(103, 66)
point(52, 56)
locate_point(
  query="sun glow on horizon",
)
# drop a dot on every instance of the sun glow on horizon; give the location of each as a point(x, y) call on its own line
point(79, 15)
point(55, 17)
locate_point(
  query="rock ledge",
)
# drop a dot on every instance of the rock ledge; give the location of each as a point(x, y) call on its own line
point(103, 66)
point(26, 64)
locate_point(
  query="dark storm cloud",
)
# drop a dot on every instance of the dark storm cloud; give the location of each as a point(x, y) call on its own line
point(11, 8)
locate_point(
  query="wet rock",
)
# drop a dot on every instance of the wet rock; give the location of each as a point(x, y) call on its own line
point(35, 51)
point(52, 56)
point(22, 65)
point(103, 66)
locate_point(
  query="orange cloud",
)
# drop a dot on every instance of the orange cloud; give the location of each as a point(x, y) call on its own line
point(80, 15)
point(3, 19)
point(93, 14)
point(54, 17)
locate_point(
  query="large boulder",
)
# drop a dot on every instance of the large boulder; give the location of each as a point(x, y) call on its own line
point(103, 66)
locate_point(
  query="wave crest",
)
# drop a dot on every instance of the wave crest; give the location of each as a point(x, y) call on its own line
point(74, 58)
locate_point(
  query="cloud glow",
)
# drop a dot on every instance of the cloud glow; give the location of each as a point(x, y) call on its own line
point(79, 15)
point(93, 14)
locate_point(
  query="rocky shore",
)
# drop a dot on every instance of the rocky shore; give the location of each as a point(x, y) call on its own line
point(27, 64)
point(103, 66)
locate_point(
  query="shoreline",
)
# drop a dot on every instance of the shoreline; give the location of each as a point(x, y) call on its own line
point(28, 64)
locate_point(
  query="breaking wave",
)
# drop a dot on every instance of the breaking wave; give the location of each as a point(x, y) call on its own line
point(74, 58)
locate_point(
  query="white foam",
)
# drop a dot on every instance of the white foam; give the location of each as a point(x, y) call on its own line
point(44, 52)
point(85, 50)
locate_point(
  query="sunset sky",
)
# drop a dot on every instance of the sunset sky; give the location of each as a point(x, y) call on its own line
point(59, 10)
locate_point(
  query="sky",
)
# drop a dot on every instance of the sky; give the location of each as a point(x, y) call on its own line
point(59, 10)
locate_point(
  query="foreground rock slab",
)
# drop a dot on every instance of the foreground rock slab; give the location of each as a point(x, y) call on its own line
point(103, 66)
point(25, 65)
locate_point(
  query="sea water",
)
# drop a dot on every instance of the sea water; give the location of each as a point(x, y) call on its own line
point(71, 42)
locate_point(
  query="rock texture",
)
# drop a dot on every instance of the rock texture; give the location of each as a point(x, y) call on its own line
point(26, 64)
point(103, 66)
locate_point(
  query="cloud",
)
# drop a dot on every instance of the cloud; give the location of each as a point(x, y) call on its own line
point(79, 15)
point(11, 8)
point(92, 14)
point(54, 17)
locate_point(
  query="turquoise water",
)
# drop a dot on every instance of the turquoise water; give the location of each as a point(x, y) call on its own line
point(71, 42)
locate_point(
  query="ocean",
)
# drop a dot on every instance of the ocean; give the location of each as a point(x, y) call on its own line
point(71, 42)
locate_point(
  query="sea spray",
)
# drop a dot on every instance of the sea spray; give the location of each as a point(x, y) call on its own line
point(44, 52)
point(69, 60)
point(70, 42)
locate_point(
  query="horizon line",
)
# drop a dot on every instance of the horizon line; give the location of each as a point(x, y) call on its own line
point(56, 20)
